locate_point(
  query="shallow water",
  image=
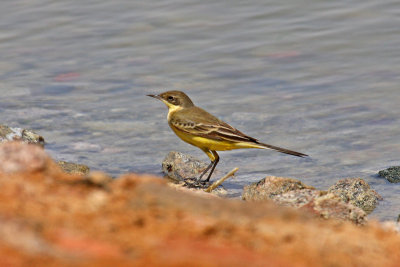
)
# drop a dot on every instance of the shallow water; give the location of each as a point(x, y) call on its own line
point(321, 78)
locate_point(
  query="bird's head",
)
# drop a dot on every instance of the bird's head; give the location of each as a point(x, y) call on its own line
point(174, 99)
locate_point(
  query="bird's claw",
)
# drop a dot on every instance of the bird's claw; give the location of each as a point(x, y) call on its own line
point(196, 183)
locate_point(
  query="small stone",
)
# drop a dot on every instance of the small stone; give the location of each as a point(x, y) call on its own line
point(179, 166)
point(271, 186)
point(357, 192)
point(391, 174)
point(73, 168)
point(31, 137)
point(19, 134)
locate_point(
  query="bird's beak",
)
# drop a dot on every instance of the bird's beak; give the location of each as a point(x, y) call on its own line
point(155, 96)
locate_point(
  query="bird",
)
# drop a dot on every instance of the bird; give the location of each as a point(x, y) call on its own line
point(201, 129)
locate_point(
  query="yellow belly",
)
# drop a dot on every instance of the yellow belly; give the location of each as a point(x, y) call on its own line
point(210, 144)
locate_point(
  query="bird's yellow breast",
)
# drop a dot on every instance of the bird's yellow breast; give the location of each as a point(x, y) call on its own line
point(210, 144)
point(205, 143)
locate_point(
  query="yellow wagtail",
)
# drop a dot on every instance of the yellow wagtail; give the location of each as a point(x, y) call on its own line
point(201, 129)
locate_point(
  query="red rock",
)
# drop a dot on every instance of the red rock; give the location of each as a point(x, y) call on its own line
point(78, 245)
point(17, 157)
point(49, 218)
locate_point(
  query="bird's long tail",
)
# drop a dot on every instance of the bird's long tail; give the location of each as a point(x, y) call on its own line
point(283, 150)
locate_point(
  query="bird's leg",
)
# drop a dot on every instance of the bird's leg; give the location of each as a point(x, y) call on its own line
point(216, 160)
point(205, 171)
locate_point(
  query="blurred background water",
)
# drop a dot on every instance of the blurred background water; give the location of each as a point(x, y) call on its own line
point(319, 77)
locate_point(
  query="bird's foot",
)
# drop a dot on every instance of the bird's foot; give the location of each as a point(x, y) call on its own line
point(196, 183)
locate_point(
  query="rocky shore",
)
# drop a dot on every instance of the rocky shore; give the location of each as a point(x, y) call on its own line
point(349, 199)
point(50, 217)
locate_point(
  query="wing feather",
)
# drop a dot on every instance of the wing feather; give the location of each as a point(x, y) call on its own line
point(216, 130)
point(198, 122)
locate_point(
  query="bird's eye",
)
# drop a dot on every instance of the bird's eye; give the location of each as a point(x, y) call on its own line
point(170, 98)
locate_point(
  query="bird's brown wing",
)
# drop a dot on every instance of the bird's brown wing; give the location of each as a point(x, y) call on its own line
point(199, 122)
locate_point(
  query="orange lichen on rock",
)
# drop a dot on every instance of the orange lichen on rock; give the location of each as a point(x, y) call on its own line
point(50, 218)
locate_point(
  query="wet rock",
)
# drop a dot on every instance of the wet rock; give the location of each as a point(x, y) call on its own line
point(271, 186)
point(391, 174)
point(332, 206)
point(357, 192)
point(19, 134)
point(323, 204)
point(179, 166)
point(297, 198)
point(73, 168)
point(293, 193)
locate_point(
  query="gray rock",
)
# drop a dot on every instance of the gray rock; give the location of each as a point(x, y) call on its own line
point(391, 174)
point(271, 186)
point(13, 134)
point(293, 193)
point(332, 206)
point(73, 168)
point(357, 192)
point(179, 166)
point(323, 204)
point(297, 198)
